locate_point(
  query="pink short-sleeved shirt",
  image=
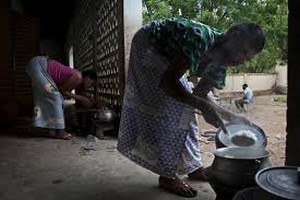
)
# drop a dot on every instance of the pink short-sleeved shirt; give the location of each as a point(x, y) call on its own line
point(59, 72)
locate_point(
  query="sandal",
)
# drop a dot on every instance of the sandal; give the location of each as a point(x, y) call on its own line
point(177, 186)
point(199, 174)
point(64, 136)
point(60, 135)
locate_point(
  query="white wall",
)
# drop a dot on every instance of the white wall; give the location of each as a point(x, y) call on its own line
point(133, 20)
point(281, 75)
point(257, 82)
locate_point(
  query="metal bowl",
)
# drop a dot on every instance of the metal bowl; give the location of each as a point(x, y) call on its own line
point(253, 136)
point(241, 153)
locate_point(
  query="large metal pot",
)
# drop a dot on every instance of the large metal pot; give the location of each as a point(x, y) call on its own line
point(236, 166)
point(278, 183)
point(256, 137)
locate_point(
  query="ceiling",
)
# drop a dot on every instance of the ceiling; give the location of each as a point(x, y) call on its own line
point(54, 16)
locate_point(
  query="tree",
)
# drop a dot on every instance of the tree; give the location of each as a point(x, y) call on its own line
point(270, 14)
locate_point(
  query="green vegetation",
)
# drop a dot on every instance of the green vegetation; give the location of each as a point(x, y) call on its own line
point(270, 14)
point(281, 98)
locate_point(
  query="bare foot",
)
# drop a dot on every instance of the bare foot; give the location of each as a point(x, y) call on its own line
point(198, 174)
point(177, 186)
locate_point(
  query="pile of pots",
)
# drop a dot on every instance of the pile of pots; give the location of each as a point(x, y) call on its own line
point(244, 171)
point(273, 183)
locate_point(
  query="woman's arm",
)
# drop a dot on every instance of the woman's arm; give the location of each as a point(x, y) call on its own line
point(71, 84)
point(201, 90)
point(171, 84)
point(86, 102)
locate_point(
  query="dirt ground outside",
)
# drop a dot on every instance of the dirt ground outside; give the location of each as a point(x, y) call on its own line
point(270, 115)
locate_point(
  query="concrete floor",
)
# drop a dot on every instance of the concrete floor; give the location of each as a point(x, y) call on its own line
point(47, 169)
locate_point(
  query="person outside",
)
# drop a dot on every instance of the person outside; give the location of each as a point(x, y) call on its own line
point(247, 98)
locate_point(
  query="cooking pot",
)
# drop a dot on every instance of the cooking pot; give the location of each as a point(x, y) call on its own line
point(241, 135)
point(105, 115)
point(278, 183)
point(236, 166)
point(245, 194)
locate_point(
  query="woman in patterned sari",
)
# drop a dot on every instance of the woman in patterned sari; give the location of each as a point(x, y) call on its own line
point(157, 128)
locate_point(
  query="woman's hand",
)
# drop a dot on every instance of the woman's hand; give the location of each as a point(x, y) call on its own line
point(211, 116)
point(214, 115)
point(81, 100)
point(85, 102)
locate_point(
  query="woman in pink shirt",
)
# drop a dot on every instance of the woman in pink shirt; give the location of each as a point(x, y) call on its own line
point(51, 82)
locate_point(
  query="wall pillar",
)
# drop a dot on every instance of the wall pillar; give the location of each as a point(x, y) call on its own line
point(4, 38)
point(133, 20)
point(293, 111)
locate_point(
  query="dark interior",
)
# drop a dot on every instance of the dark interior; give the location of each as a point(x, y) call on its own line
point(54, 16)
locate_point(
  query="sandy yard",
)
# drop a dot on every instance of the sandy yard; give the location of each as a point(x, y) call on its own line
point(270, 116)
point(41, 168)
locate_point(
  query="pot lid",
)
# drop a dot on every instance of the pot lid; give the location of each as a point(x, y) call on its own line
point(283, 182)
point(241, 153)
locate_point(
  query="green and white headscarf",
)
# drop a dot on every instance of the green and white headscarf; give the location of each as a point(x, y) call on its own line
point(191, 38)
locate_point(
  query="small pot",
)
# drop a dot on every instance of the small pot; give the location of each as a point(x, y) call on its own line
point(236, 166)
point(106, 115)
point(278, 183)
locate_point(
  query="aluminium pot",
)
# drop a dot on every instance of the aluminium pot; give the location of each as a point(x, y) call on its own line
point(236, 166)
point(278, 183)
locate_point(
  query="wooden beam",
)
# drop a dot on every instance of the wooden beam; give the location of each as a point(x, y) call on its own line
point(293, 111)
